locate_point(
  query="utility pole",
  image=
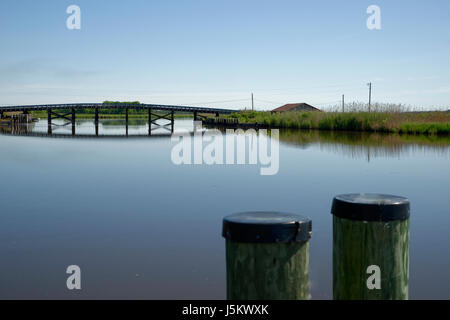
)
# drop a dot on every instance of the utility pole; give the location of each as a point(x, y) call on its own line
point(370, 93)
point(343, 103)
point(252, 103)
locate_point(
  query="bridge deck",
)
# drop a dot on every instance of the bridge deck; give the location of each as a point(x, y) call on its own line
point(116, 106)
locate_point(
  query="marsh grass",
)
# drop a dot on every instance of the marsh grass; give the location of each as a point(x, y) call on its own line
point(358, 106)
point(435, 122)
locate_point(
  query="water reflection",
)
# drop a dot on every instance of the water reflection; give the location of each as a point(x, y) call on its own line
point(120, 208)
point(90, 128)
point(363, 145)
point(356, 145)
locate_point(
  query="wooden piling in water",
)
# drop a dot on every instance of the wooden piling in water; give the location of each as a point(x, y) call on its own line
point(149, 121)
point(126, 121)
point(73, 121)
point(96, 116)
point(267, 256)
point(49, 121)
point(370, 247)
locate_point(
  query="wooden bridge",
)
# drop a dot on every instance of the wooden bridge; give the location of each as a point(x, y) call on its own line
point(68, 112)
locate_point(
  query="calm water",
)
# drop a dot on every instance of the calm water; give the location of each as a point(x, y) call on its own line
point(142, 227)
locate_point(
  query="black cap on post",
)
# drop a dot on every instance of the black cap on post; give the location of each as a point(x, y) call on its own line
point(266, 227)
point(370, 207)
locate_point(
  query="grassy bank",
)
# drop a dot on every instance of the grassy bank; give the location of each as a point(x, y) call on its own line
point(393, 122)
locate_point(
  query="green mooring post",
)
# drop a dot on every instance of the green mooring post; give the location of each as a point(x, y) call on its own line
point(267, 256)
point(370, 247)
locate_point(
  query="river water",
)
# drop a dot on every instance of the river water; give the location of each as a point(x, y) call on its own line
point(140, 226)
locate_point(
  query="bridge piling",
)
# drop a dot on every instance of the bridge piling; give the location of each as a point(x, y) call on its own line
point(149, 121)
point(49, 121)
point(96, 116)
point(126, 121)
point(96, 121)
point(172, 122)
point(73, 121)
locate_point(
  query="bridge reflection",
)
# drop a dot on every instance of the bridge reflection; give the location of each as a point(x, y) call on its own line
point(104, 128)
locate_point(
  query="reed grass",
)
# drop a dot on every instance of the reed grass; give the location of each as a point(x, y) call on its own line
point(434, 122)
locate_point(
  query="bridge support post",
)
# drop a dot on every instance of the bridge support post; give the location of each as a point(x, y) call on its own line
point(267, 256)
point(149, 121)
point(126, 121)
point(96, 121)
point(195, 115)
point(217, 114)
point(73, 121)
point(49, 121)
point(172, 121)
point(96, 116)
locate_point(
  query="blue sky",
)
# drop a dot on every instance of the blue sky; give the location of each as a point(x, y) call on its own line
point(216, 53)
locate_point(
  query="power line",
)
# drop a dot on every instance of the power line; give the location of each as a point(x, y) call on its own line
point(320, 104)
point(223, 101)
point(266, 101)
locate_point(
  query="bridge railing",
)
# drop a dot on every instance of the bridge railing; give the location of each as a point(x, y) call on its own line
point(178, 108)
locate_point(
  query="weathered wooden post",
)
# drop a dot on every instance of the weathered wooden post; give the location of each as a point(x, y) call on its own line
point(267, 256)
point(126, 121)
point(96, 121)
point(96, 116)
point(49, 121)
point(149, 121)
point(73, 121)
point(370, 247)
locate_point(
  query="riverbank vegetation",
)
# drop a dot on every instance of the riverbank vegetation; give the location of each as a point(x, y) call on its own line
point(436, 122)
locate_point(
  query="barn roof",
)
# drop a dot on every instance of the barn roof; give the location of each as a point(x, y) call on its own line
point(291, 106)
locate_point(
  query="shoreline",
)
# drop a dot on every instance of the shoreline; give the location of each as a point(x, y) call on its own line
point(434, 122)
